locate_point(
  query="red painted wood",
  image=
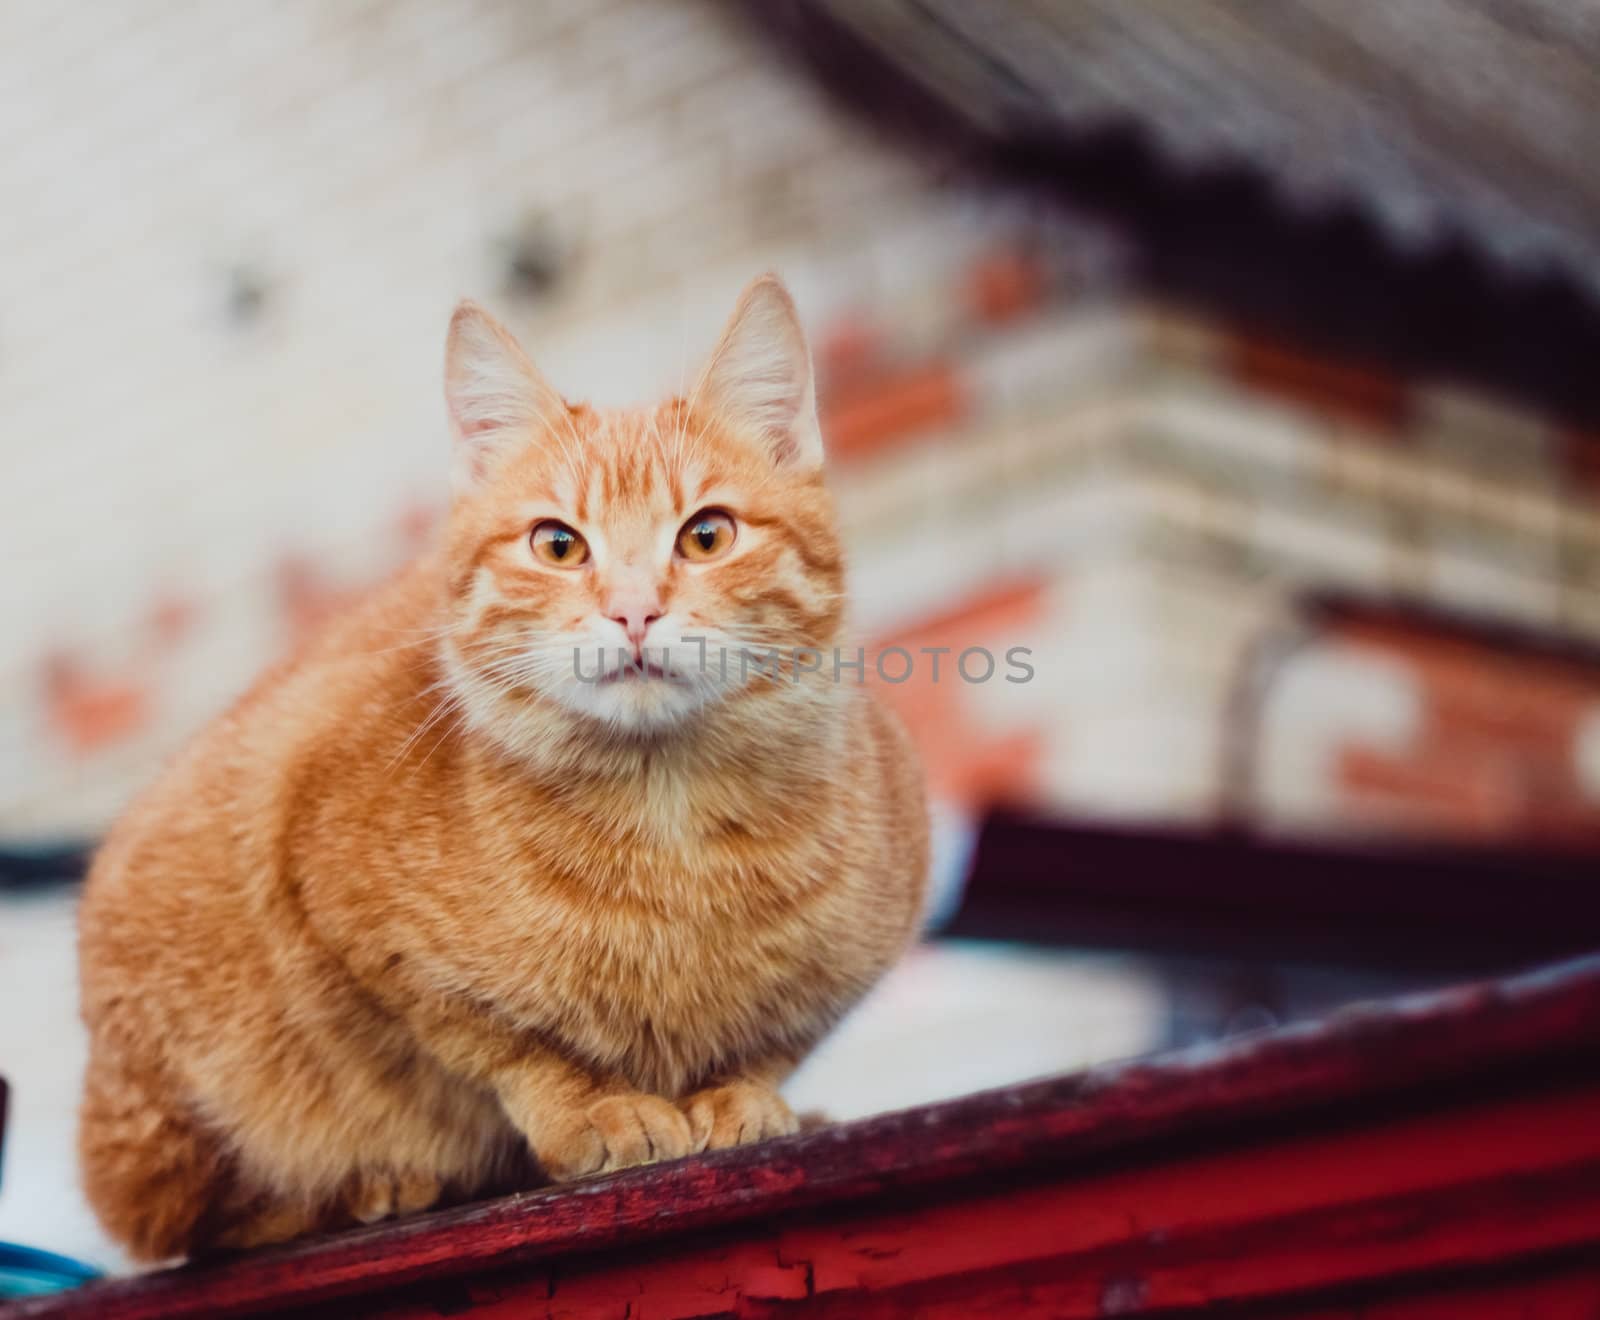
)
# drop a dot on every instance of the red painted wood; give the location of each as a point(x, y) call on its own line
point(1542, 1291)
point(1447, 1131)
point(1384, 1203)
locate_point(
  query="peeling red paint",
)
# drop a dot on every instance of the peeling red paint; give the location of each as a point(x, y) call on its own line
point(847, 351)
point(1363, 392)
point(966, 760)
point(1007, 284)
point(891, 407)
point(92, 712)
point(1495, 754)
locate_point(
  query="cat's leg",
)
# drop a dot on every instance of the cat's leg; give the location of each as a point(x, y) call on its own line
point(260, 1222)
point(164, 1184)
point(366, 1197)
point(576, 1120)
point(151, 1170)
point(741, 1106)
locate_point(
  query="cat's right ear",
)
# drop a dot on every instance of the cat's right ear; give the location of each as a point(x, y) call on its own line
point(497, 398)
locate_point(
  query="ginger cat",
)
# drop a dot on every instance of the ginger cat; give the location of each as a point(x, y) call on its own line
point(451, 901)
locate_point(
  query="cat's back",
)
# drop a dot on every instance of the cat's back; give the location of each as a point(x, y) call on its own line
point(889, 796)
point(898, 768)
point(882, 822)
point(193, 840)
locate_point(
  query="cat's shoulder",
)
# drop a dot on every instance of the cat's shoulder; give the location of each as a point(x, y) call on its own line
point(362, 665)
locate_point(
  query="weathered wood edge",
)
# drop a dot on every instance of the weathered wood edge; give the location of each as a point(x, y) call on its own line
point(1417, 1044)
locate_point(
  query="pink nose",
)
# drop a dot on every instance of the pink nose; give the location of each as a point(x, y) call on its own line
point(635, 616)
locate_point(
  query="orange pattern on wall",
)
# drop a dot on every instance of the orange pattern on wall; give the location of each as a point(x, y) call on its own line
point(965, 760)
point(1496, 755)
point(92, 712)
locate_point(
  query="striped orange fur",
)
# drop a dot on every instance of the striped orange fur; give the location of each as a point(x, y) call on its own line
point(427, 914)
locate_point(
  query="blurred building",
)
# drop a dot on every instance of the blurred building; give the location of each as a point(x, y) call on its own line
point(228, 275)
point(227, 278)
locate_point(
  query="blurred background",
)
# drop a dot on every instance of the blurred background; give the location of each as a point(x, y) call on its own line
point(1240, 359)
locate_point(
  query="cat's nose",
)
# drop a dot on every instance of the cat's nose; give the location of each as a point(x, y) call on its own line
point(635, 619)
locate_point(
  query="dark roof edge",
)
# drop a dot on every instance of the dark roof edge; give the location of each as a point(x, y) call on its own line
point(1222, 240)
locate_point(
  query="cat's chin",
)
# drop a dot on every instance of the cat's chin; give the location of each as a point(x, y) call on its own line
point(638, 703)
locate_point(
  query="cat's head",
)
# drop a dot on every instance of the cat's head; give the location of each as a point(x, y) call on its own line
point(620, 564)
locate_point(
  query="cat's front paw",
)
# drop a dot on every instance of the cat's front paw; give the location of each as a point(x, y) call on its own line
point(736, 1114)
point(370, 1196)
point(616, 1133)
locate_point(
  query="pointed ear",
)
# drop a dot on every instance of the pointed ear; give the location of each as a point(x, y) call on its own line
point(759, 377)
point(497, 398)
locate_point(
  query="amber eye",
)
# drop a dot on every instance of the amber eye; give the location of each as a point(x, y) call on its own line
point(557, 544)
point(705, 536)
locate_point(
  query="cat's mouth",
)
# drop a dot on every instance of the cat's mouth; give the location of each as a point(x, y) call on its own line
point(638, 671)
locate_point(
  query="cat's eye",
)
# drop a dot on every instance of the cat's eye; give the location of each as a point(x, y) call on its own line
point(705, 536)
point(557, 544)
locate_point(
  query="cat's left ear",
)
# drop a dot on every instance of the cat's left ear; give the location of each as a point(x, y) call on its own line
point(759, 377)
point(499, 401)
